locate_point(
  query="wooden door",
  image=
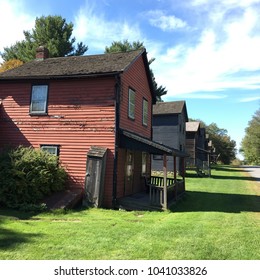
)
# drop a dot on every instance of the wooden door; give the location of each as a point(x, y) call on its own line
point(129, 172)
point(95, 176)
point(92, 180)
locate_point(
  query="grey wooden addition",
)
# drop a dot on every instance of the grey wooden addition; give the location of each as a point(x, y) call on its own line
point(169, 119)
point(94, 182)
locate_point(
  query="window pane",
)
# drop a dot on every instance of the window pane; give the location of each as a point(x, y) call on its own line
point(131, 104)
point(144, 163)
point(53, 150)
point(39, 98)
point(145, 112)
point(38, 106)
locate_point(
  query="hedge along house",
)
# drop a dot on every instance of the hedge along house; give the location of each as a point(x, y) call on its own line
point(85, 109)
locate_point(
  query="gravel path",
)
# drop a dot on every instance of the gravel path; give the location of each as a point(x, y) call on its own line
point(253, 171)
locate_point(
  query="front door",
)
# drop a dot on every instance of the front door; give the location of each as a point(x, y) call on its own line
point(129, 172)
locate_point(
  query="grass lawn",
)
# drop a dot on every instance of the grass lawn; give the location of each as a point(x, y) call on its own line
point(218, 218)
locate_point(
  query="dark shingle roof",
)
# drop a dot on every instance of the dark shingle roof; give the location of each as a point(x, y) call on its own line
point(175, 107)
point(73, 66)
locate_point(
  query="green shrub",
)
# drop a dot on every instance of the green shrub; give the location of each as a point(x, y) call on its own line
point(27, 175)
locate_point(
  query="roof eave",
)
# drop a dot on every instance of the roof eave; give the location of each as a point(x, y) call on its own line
point(54, 77)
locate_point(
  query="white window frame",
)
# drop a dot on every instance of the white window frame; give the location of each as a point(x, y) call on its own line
point(39, 95)
point(145, 112)
point(131, 104)
point(51, 149)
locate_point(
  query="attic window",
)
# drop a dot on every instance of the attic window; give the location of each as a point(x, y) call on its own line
point(39, 99)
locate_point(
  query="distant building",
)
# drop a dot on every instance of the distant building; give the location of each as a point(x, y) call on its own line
point(169, 120)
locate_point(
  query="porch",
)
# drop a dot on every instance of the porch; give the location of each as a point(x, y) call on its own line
point(155, 198)
point(161, 191)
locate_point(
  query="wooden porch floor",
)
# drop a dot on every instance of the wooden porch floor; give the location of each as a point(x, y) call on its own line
point(139, 202)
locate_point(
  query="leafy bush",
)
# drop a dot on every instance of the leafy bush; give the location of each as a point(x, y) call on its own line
point(27, 175)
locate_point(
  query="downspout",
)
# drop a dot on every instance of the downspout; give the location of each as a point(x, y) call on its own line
point(117, 121)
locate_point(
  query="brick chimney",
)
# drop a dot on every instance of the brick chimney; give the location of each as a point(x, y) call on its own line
point(42, 53)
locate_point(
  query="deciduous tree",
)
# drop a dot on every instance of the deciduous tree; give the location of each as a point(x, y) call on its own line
point(224, 145)
point(10, 64)
point(251, 141)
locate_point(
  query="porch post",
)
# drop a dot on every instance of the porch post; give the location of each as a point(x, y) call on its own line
point(165, 182)
point(209, 164)
point(175, 169)
point(183, 172)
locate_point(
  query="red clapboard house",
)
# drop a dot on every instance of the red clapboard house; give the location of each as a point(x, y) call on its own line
point(94, 112)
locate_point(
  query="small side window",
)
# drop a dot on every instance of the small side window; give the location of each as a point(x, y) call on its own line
point(39, 99)
point(52, 149)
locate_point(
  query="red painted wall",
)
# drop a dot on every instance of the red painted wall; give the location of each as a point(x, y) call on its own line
point(136, 78)
point(81, 113)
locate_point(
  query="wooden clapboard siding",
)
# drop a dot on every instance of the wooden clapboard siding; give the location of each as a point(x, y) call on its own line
point(136, 78)
point(81, 113)
point(169, 119)
point(81, 109)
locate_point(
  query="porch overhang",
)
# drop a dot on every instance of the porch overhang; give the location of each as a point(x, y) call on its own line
point(133, 141)
point(203, 150)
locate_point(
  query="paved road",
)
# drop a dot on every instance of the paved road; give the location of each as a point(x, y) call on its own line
point(253, 171)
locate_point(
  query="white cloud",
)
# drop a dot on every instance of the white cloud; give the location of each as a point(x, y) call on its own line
point(225, 3)
point(97, 32)
point(13, 21)
point(159, 19)
point(250, 99)
point(212, 64)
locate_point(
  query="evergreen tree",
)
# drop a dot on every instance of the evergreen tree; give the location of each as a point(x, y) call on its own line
point(119, 46)
point(52, 32)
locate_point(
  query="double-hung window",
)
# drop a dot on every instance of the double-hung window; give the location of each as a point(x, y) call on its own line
point(145, 112)
point(131, 104)
point(39, 99)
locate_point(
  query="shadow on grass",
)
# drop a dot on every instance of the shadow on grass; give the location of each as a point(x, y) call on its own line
point(222, 177)
point(217, 202)
point(244, 178)
point(228, 168)
point(10, 238)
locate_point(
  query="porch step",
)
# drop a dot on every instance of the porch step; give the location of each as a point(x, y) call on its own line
point(136, 202)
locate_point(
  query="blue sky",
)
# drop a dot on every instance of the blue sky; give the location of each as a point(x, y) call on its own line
point(206, 51)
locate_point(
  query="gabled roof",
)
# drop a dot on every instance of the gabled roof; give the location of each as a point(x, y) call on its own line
point(109, 64)
point(174, 107)
point(74, 66)
point(192, 126)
